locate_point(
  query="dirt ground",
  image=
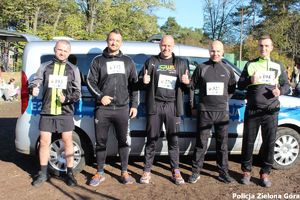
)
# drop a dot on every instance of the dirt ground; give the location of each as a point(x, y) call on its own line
point(16, 171)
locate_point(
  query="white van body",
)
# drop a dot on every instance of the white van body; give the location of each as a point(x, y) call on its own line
point(27, 133)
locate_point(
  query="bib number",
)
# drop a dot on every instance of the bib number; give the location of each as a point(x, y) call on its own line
point(115, 67)
point(266, 77)
point(57, 82)
point(167, 82)
point(214, 88)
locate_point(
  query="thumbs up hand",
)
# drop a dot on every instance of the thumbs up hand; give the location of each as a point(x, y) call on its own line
point(185, 77)
point(36, 90)
point(276, 91)
point(146, 78)
point(255, 78)
point(61, 97)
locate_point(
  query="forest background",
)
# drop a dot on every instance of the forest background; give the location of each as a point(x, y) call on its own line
point(235, 22)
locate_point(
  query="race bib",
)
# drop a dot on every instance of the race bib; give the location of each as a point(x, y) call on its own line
point(57, 82)
point(266, 77)
point(214, 88)
point(115, 67)
point(167, 82)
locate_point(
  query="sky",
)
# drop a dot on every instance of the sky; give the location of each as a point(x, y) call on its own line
point(188, 13)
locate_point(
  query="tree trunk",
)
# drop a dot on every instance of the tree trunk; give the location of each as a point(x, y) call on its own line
point(36, 17)
point(56, 22)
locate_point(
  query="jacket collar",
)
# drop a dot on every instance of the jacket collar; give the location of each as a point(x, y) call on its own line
point(107, 55)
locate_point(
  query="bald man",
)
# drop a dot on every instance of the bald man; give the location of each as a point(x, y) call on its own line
point(164, 77)
point(217, 83)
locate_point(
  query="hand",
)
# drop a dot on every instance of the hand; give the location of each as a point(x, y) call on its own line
point(132, 112)
point(185, 78)
point(61, 97)
point(36, 90)
point(106, 100)
point(255, 78)
point(276, 91)
point(146, 78)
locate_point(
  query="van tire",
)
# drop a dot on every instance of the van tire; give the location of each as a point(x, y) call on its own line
point(287, 148)
point(57, 163)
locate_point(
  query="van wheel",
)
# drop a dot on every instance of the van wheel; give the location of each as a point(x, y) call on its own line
point(57, 162)
point(287, 148)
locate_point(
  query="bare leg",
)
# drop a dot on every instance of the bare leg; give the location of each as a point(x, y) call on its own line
point(69, 150)
point(44, 153)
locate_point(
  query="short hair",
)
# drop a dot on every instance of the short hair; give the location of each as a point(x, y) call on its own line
point(265, 36)
point(116, 31)
point(66, 42)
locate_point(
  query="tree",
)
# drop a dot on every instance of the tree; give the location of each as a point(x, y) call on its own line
point(217, 18)
point(171, 27)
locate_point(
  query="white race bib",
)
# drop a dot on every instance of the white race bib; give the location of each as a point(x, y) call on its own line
point(267, 77)
point(167, 82)
point(115, 67)
point(214, 88)
point(57, 82)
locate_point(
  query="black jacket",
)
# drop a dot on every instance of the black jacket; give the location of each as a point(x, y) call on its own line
point(260, 95)
point(151, 65)
point(210, 71)
point(72, 93)
point(104, 81)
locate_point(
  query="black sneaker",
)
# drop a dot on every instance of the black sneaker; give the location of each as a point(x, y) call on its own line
point(40, 179)
point(194, 178)
point(226, 178)
point(70, 179)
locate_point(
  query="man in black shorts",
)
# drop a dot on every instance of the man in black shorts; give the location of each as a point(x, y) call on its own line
point(60, 83)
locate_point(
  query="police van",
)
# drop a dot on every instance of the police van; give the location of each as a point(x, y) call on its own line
point(27, 133)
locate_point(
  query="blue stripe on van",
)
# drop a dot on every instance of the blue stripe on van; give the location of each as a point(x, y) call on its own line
point(288, 112)
point(82, 108)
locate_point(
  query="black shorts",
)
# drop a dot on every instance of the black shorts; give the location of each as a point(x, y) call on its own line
point(57, 124)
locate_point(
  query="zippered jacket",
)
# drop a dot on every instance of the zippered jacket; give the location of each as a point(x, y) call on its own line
point(152, 65)
point(114, 76)
point(72, 92)
point(208, 73)
point(260, 95)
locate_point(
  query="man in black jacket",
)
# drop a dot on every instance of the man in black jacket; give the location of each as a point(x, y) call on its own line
point(216, 82)
point(264, 80)
point(164, 77)
point(60, 81)
point(110, 79)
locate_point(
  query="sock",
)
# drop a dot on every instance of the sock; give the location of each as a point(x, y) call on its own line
point(44, 169)
point(70, 170)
